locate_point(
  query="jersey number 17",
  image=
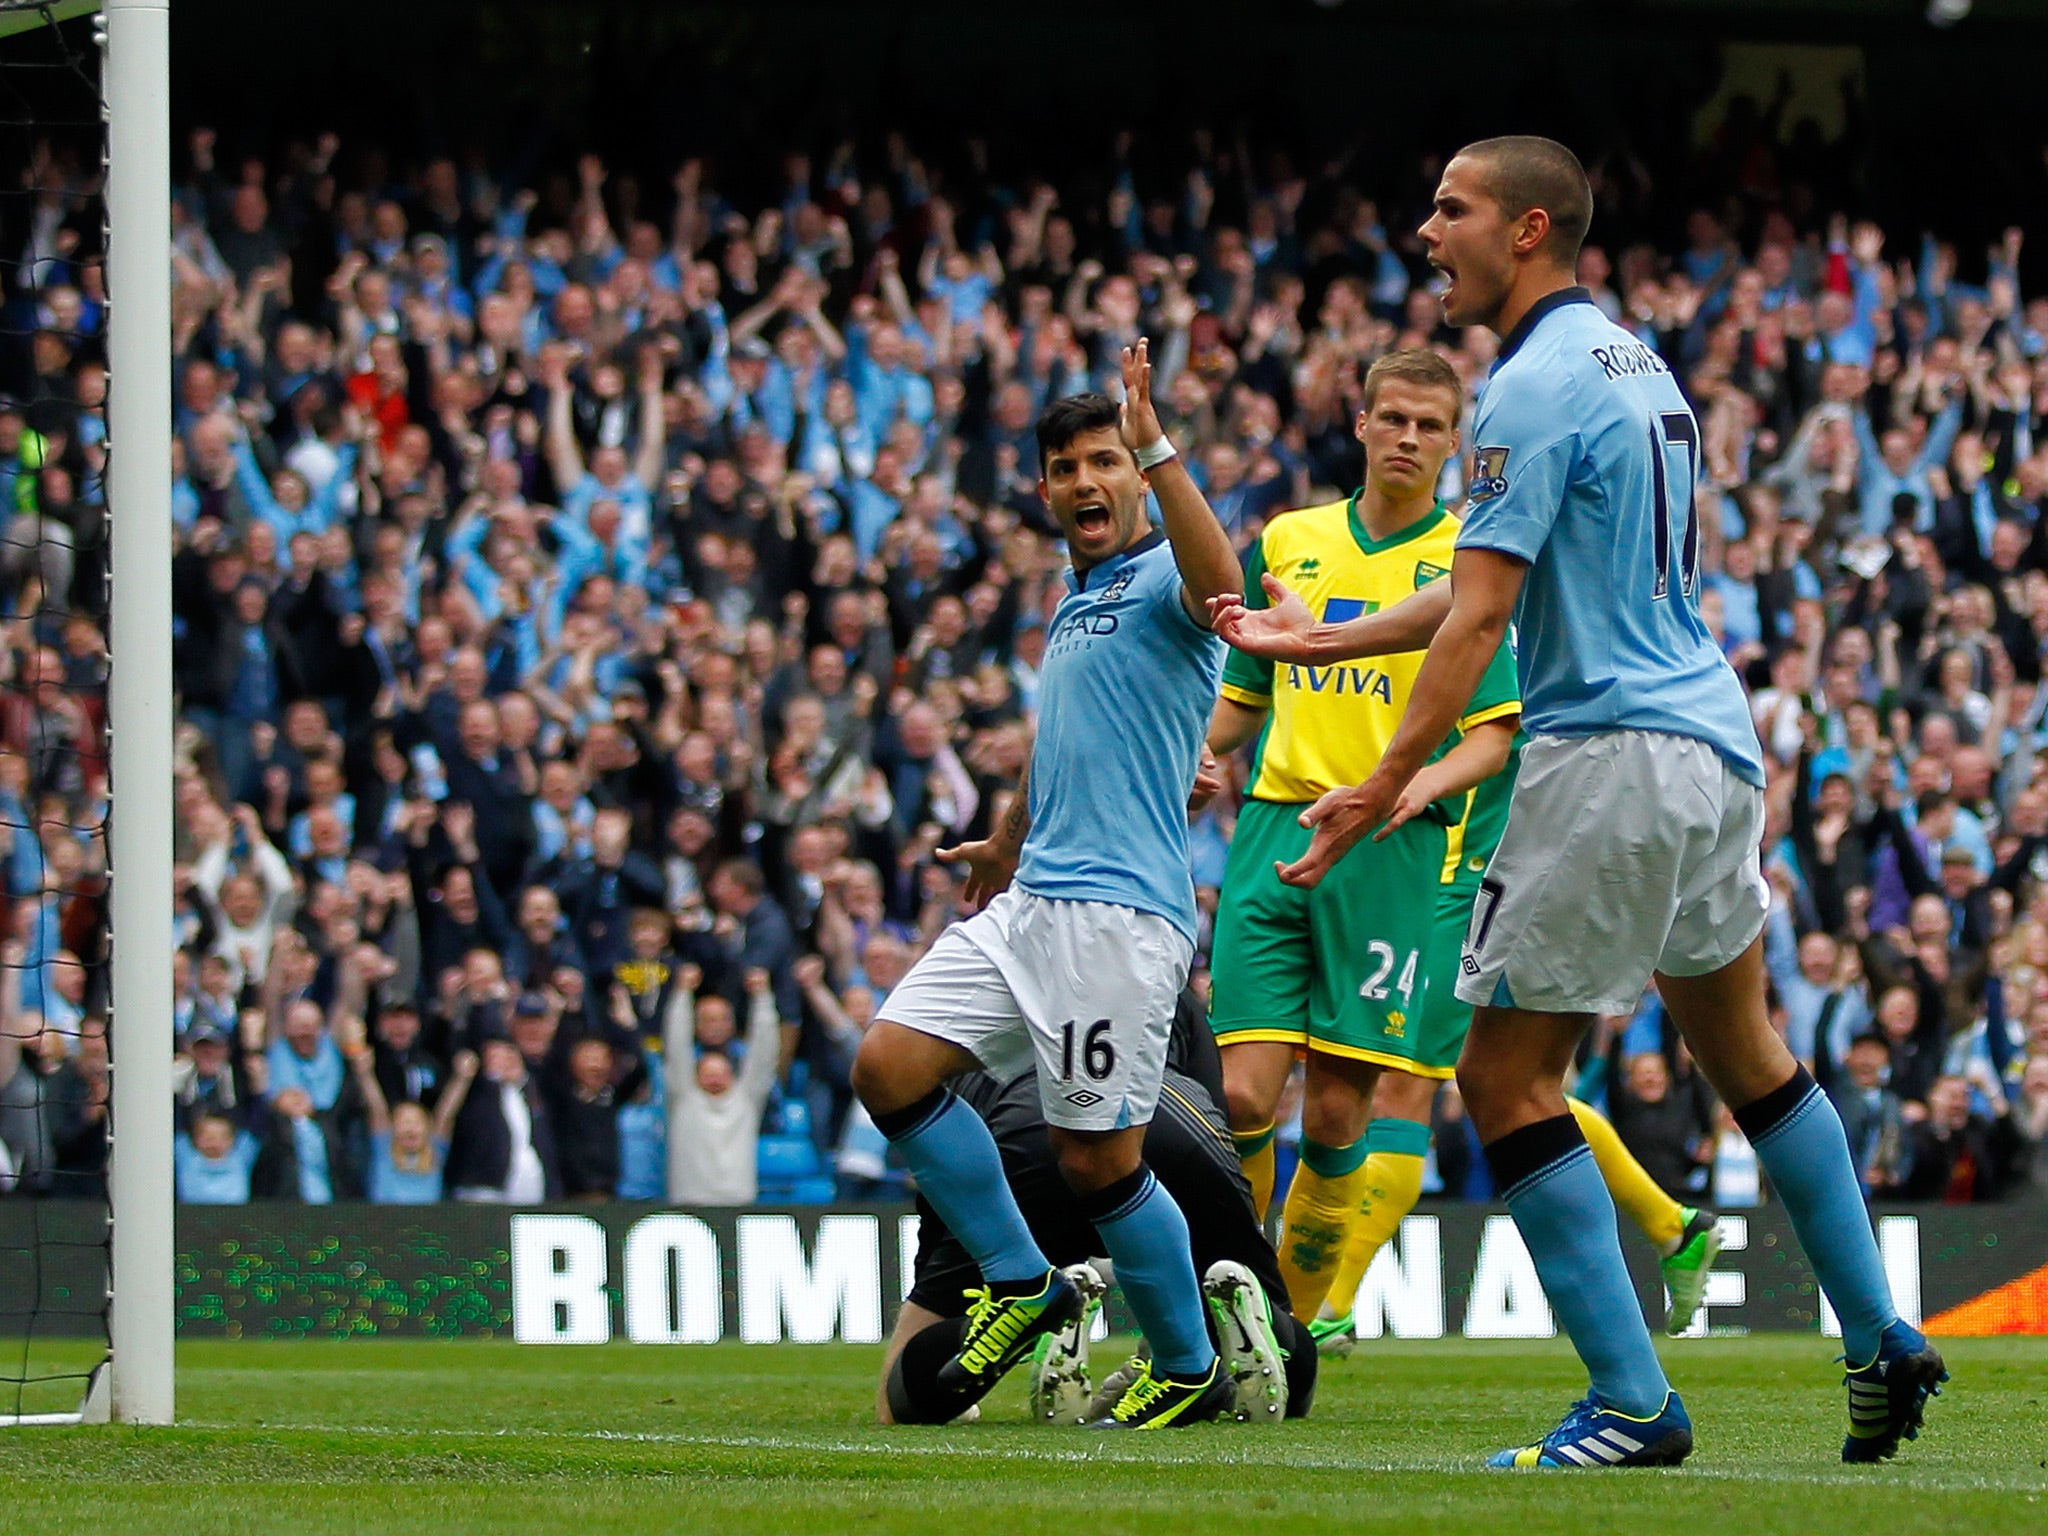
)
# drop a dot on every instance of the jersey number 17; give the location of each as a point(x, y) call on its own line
point(1667, 428)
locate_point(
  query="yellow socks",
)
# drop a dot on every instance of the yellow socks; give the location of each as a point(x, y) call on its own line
point(1393, 1183)
point(1321, 1203)
point(1661, 1217)
point(1255, 1152)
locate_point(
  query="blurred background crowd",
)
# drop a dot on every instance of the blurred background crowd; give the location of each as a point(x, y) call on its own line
point(598, 595)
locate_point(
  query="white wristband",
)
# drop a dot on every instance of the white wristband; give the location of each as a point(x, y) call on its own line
point(1157, 452)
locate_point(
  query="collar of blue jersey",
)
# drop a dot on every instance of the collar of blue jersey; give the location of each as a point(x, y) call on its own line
point(1542, 307)
point(1077, 582)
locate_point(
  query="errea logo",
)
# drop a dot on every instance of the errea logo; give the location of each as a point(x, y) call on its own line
point(1308, 567)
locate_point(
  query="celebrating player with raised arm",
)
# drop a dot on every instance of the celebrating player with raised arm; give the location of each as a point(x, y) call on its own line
point(1362, 970)
point(1077, 966)
point(1631, 848)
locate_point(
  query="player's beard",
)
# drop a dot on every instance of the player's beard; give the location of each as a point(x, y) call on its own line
point(1130, 522)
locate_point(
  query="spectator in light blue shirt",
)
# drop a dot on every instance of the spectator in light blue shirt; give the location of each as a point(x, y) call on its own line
point(214, 1163)
point(747, 387)
point(302, 1056)
point(1823, 1011)
point(1742, 620)
point(838, 448)
point(310, 1160)
point(1892, 467)
point(408, 1151)
point(287, 502)
point(885, 387)
point(643, 1141)
point(964, 286)
point(611, 474)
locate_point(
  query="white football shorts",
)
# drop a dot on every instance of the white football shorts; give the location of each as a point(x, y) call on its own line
point(1625, 853)
point(1086, 990)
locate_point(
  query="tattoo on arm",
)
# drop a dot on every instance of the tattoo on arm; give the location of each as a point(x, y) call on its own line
point(1017, 819)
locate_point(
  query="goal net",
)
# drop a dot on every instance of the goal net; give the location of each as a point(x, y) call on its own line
point(55, 1219)
point(57, 1086)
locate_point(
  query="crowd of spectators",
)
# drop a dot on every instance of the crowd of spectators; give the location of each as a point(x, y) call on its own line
point(596, 602)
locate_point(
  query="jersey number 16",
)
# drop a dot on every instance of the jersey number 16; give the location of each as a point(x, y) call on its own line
point(1098, 1055)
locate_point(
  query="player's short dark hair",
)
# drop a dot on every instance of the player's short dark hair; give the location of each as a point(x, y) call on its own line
point(1065, 420)
point(1419, 366)
point(1521, 171)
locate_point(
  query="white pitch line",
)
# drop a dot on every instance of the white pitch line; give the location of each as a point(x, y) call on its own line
point(1299, 1461)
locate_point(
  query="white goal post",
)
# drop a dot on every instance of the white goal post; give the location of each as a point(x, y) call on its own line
point(136, 88)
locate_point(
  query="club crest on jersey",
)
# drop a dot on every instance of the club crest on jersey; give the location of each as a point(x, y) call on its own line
point(1425, 573)
point(1117, 588)
point(1489, 472)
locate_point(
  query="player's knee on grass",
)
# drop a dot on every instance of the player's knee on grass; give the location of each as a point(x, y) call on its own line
point(1092, 1160)
point(913, 1390)
point(1299, 1346)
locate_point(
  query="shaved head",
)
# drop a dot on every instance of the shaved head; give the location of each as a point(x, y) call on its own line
point(1521, 172)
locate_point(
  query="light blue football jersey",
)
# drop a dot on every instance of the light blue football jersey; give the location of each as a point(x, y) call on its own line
point(1585, 461)
point(1125, 693)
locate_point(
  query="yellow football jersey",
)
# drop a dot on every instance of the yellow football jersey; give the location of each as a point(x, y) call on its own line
point(1330, 725)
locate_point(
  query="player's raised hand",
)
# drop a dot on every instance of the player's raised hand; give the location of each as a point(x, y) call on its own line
point(1281, 631)
point(1138, 419)
point(1339, 820)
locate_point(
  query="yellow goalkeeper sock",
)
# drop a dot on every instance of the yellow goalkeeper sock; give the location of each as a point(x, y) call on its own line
point(1320, 1205)
point(1255, 1153)
point(1393, 1183)
point(1661, 1217)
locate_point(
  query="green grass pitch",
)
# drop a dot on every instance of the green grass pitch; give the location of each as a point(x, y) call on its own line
point(370, 1437)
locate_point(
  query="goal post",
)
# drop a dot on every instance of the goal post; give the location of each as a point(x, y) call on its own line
point(135, 86)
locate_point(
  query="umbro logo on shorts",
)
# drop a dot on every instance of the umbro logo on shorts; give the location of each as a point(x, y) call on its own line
point(1086, 1098)
point(1471, 966)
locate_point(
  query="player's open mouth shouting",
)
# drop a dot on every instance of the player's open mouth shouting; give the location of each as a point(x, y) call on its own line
point(1093, 518)
point(1446, 279)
